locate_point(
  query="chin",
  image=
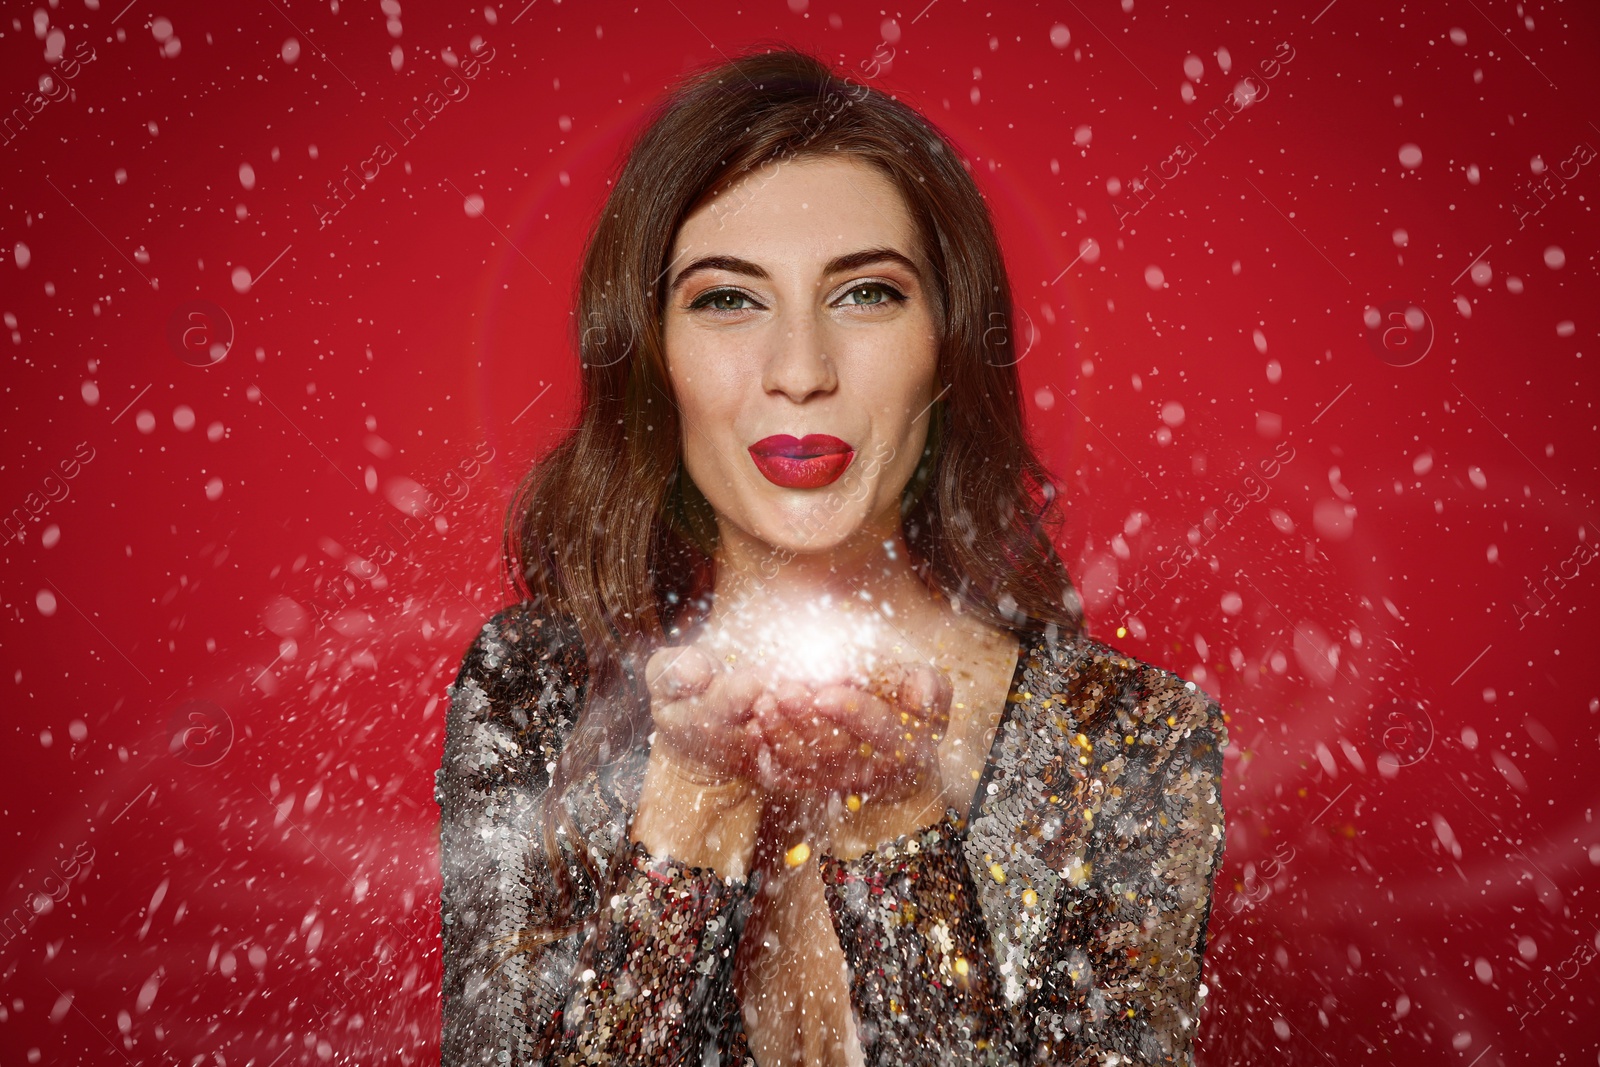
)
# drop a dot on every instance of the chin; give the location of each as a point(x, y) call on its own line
point(826, 524)
point(797, 538)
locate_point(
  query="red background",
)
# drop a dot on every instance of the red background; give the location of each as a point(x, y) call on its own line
point(1413, 580)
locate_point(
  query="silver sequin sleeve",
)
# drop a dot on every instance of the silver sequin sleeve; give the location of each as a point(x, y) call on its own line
point(1118, 977)
point(510, 705)
point(649, 972)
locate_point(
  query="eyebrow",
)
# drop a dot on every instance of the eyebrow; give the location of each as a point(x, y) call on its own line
point(838, 265)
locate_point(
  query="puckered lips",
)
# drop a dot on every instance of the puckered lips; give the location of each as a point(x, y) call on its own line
point(809, 462)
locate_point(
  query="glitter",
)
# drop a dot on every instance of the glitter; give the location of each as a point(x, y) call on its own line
point(1021, 930)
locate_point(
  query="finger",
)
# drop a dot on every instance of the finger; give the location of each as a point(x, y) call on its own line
point(791, 694)
point(896, 751)
point(916, 687)
point(791, 706)
point(806, 750)
point(780, 754)
point(731, 696)
point(699, 709)
point(920, 692)
point(930, 694)
point(672, 673)
point(809, 742)
point(866, 716)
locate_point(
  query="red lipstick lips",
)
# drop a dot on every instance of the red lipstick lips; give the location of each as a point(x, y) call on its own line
point(806, 463)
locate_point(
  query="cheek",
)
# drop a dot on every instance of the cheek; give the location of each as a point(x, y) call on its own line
point(707, 397)
point(687, 364)
point(711, 375)
point(896, 387)
point(703, 391)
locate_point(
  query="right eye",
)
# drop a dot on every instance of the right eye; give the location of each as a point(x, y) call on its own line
point(718, 300)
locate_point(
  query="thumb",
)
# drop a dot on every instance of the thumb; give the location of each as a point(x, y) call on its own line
point(675, 672)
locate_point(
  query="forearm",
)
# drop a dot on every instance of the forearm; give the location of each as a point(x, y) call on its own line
point(700, 823)
point(1121, 970)
point(496, 885)
point(655, 972)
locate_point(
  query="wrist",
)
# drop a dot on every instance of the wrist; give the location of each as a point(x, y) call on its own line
point(843, 825)
point(689, 773)
point(696, 820)
point(793, 827)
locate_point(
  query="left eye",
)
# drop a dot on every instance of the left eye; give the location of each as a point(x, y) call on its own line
point(713, 300)
point(885, 294)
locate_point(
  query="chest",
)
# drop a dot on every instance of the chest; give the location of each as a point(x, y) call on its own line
point(982, 678)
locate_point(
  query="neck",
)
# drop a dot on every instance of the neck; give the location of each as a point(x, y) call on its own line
point(870, 571)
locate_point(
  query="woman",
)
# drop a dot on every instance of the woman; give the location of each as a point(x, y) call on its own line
point(795, 750)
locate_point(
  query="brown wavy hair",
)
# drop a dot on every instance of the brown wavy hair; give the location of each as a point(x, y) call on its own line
point(609, 529)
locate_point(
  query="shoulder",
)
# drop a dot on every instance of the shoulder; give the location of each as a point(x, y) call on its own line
point(1104, 785)
point(1110, 695)
point(520, 650)
point(517, 694)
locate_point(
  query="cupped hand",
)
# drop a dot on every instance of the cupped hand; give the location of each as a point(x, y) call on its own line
point(716, 724)
point(697, 802)
point(879, 740)
point(705, 716)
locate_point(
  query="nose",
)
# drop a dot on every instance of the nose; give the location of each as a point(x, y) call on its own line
point(798, 367)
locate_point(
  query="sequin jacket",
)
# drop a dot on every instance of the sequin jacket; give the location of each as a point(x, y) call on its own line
point(1062, 920)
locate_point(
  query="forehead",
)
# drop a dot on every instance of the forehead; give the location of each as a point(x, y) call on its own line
point(812, 208)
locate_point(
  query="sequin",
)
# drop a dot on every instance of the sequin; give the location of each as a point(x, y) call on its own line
point(1061, 920)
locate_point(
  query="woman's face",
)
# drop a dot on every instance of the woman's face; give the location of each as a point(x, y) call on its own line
point(799, 305)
